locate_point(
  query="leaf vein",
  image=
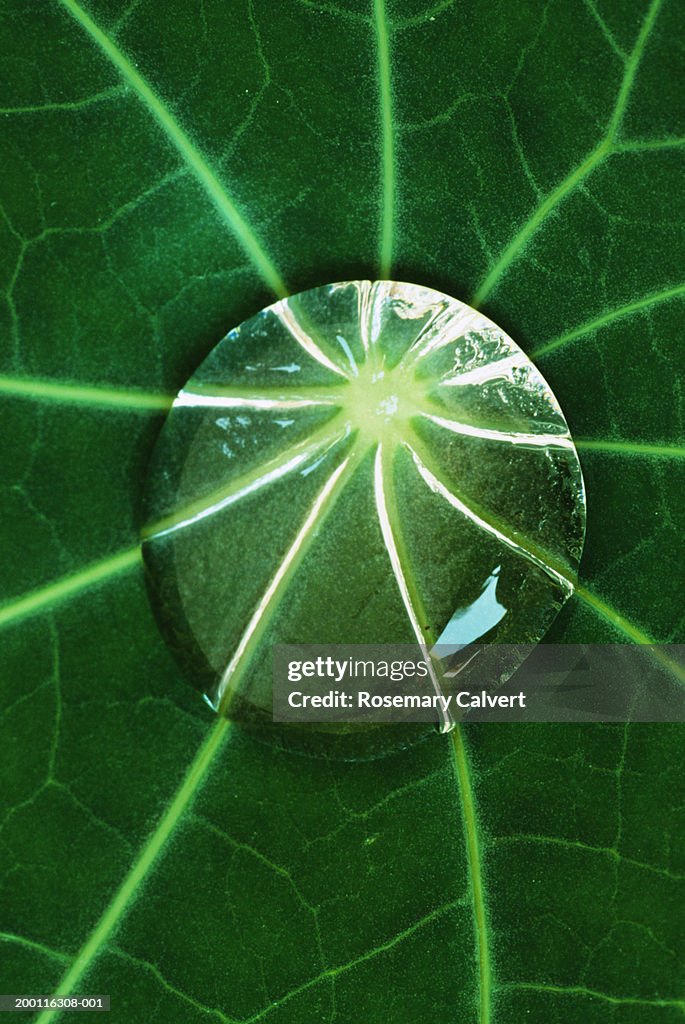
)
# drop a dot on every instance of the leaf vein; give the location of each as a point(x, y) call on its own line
point(191, 155)
point(388, 141)
point(38, 947)
point(129, 889)
point(603, 149)
point(577, 844)
point(677, 291)
point(581, 990)
point(473, 853)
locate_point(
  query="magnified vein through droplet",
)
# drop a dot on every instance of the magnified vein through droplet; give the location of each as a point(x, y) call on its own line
point(361, 463)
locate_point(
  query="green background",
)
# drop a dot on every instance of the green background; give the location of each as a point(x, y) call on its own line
point(166, 169)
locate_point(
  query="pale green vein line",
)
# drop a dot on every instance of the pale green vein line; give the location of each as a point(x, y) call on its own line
point(677, 291)
point(603, 149)
point(19, 940)
point(580, 990)
point(577, 845)
point(99, 97)
point(83, 394)
point(335, 972)
point(420, 625)
point(383, 947)
point(631, 69)
point(600, 607)
point(168, 987)
point(389, 518)
point(68, 586)
point(391, 530)
point(521, 239)
point(198, 163)
point(659, 451)
point(314, 393)
point(523, 546)
point(613, 617)
point(605, 30)
point(328, 974)
point(471, 831)
point(630, 630)
point(649, 145)
point(388, 146)
point(277, 588)
point(73, 393)
point(54, 593)
point(297, 455)
point(133, 881)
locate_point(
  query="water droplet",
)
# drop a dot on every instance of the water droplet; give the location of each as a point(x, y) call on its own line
point(360, 463)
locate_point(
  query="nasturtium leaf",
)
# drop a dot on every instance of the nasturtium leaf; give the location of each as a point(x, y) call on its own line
point(168, 171)
point(360, 463)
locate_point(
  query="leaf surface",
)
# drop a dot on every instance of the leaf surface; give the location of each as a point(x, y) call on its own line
point(165, 177)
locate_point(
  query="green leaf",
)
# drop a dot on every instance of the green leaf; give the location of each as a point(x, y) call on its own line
point(167, 174)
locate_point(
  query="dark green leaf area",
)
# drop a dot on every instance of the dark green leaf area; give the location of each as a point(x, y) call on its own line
point(119, 271)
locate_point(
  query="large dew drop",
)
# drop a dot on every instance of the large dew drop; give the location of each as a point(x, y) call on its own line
point(361, 463)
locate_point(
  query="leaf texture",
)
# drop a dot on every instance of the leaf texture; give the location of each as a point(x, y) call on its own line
point(166, 175)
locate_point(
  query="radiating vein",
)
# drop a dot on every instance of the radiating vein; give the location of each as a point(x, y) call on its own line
point(256, 398)
point(631, 68)
point(54, 593)
point(217, 501)
point(614, 618)
point(473, 853)
point(441, 330)
point(272, 595)
point(411, 599)
point(387, 516)
point(388, 140)
point(190, 400)
point(519, 545)
point(286, 314)
point(487, 371)
point(238, 488)
point(130, 888)
point(677, 291)
point(549, 563)
point(549, 203)
point(195, 160)
point(506, 437)
point(659, 451)
point(65, 392)
point(636, 635)
point(366, 301)
point(603, 149)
